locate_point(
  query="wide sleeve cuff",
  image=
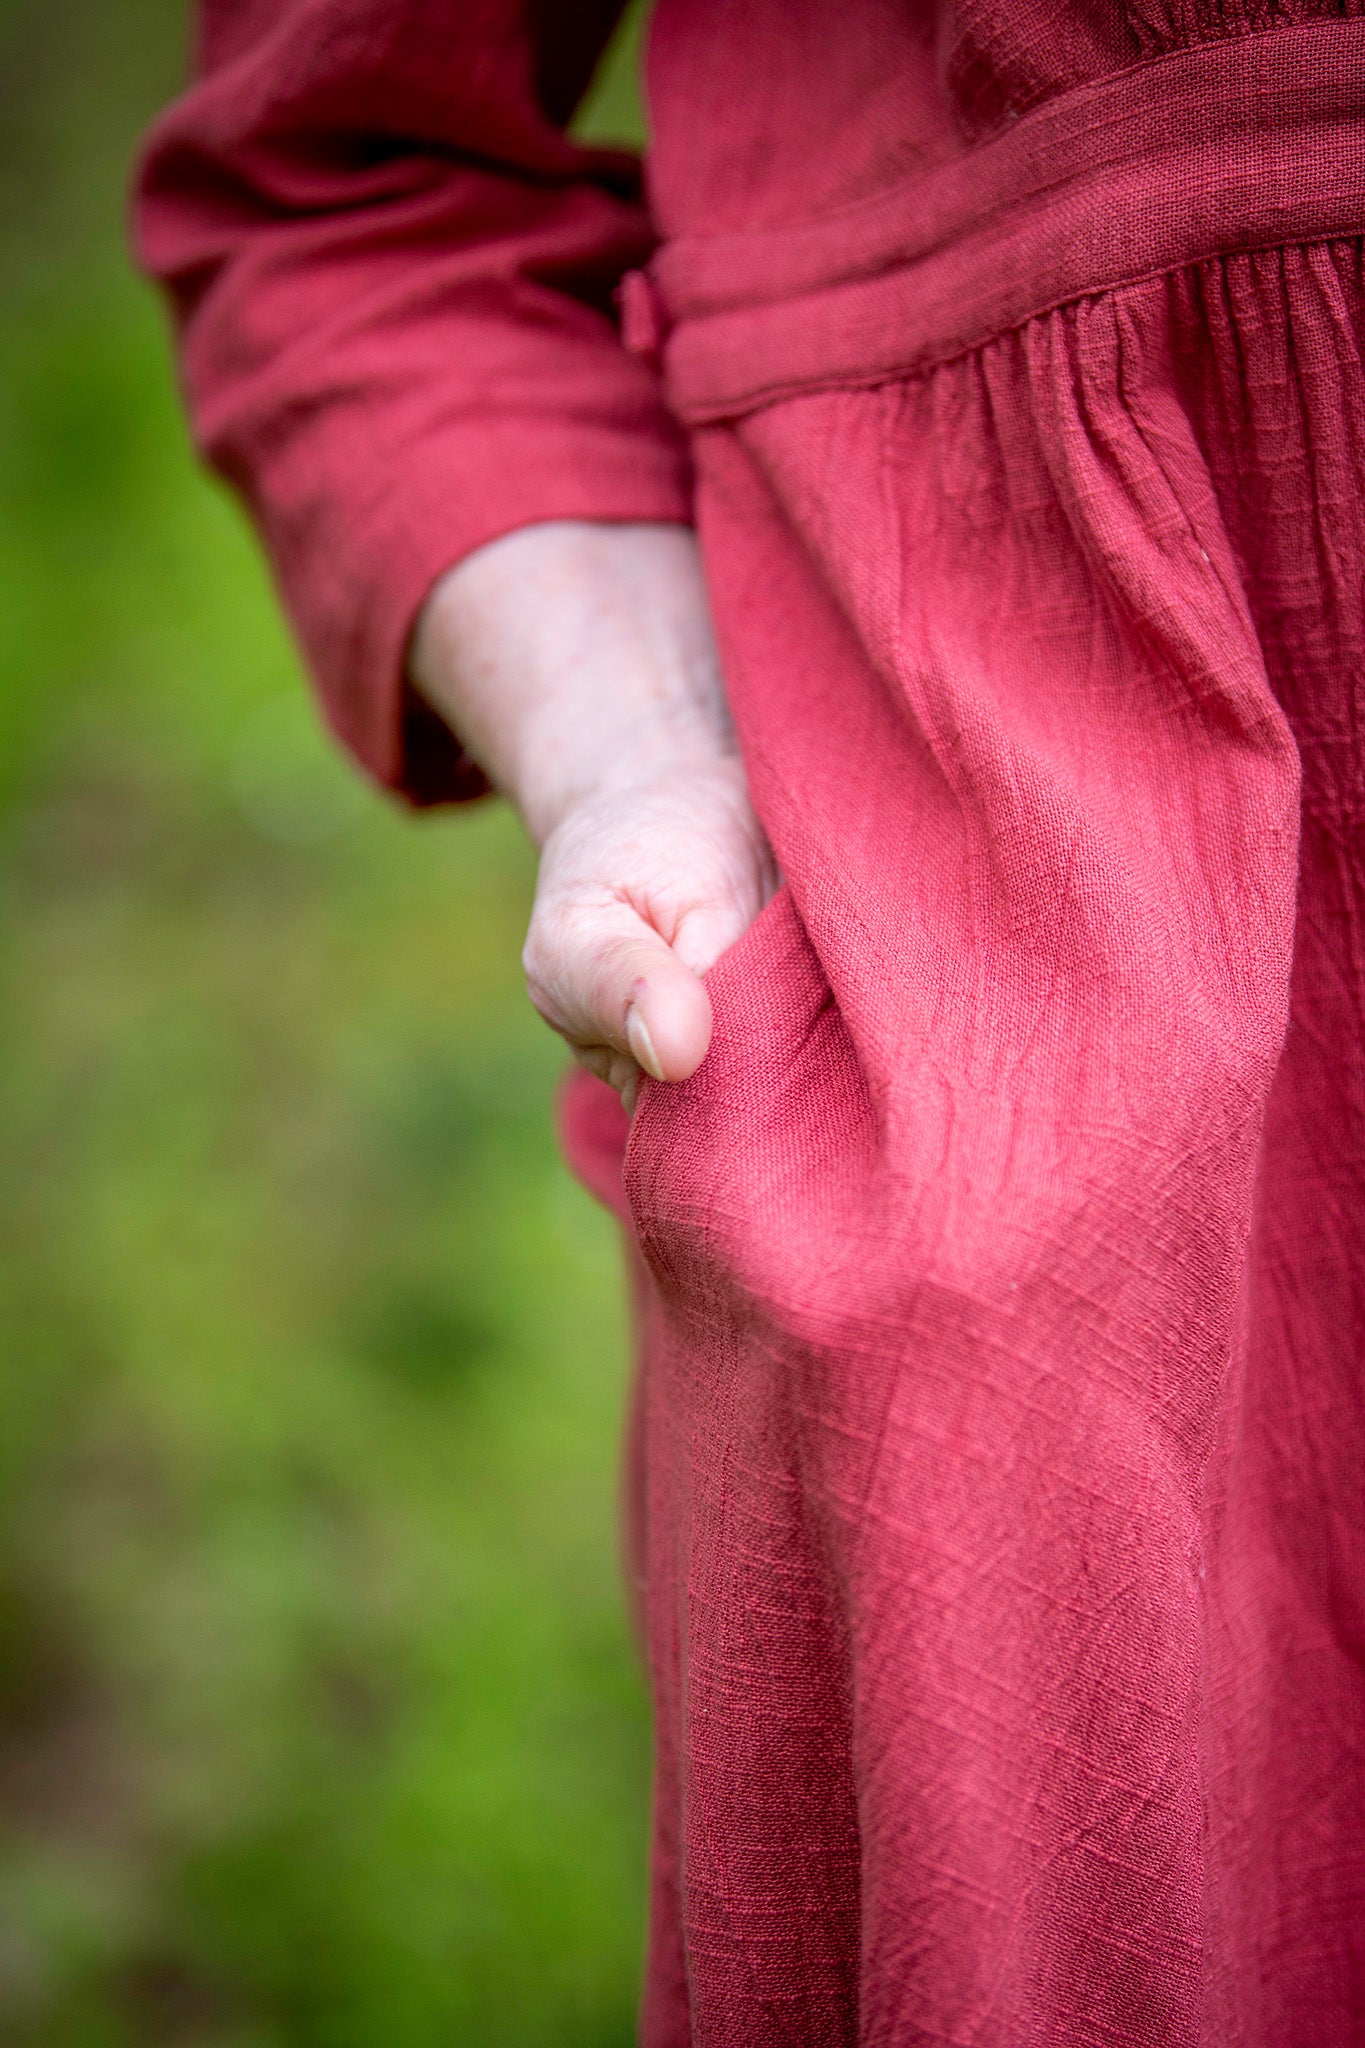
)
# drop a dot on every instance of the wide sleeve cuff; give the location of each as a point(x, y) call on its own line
point(392, 276)
point(354, 592)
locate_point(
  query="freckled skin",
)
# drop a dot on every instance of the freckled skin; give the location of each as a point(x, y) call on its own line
point(578, 663)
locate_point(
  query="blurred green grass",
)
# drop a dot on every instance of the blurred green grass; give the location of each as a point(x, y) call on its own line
point(319, 1723)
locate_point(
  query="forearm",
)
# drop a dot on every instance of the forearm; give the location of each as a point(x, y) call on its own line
point(575, 659)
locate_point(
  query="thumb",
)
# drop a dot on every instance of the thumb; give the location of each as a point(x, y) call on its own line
point(608, 979)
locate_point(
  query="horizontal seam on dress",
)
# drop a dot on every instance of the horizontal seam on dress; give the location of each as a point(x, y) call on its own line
point(927, 366)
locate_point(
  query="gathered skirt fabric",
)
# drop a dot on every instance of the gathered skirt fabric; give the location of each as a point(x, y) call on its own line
point(998, 1481)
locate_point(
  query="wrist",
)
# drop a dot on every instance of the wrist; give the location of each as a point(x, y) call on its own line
point(664, 742)
point(575, 661)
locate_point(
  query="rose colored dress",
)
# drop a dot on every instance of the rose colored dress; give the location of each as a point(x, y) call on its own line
point(1000, 1450)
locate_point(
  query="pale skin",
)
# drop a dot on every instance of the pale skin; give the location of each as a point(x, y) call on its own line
point(578, 663)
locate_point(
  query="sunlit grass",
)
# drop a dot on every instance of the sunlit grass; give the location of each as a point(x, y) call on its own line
point(319, 1723)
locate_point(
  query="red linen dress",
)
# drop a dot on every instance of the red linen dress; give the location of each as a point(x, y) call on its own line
point(999, 1489)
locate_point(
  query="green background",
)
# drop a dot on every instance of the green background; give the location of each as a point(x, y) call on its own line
point(319, 1721)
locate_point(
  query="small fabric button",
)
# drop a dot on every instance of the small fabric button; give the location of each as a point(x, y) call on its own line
point(644, 323)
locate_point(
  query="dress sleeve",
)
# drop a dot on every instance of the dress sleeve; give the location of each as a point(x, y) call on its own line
point(392, 277)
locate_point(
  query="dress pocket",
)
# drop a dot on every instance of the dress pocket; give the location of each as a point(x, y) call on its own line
point(725, 983)
point(727, 1174)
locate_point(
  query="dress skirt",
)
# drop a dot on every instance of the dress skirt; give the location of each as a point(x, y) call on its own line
point(998, 1476)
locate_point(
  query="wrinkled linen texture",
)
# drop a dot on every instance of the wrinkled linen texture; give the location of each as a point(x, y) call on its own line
point(995, 1488)
point(1002, 1476)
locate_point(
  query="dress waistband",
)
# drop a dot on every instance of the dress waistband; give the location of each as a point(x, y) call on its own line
point(1240, 144)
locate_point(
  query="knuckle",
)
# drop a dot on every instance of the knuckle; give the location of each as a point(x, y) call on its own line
point(576, 964)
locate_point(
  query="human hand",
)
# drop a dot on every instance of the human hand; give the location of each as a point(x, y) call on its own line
point(578, 663)
point(642, 886)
